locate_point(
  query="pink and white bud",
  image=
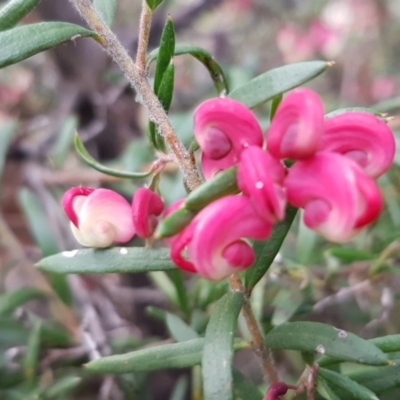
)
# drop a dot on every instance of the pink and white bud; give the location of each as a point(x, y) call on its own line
point(99, 217)
point(223, 128)
point(214, 241)
point(146, 207)
point(337, 197)
point(260, 177)
point(296, 129)
point(363, 137)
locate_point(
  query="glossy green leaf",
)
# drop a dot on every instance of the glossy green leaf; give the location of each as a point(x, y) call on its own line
point(103, 261)
point(353, 109)
point(214, 69)
point(325, 339)
point(378, 379)
point(346, 387)
point(245, 389)
point(153, 4)
point(7, 129)
point(27, 40)
point(106, 10)
point(266, 251)
point(174, 223)
point(277, 81)
point(89, 160)
point(32, 353)
point(164, 94)
point(349, 255)
point(218, 348)
point(64, 141)
point(10, 301)
point(167, 356)
point(179, 329)
point(219, 186)
point(13, 11)
point(166, 52)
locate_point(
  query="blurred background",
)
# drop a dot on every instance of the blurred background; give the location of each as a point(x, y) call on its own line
point(45, 98)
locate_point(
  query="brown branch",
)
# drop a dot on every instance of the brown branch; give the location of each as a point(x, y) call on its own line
point(144, 34)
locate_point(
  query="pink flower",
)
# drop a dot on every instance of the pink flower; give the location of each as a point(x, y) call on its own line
point(363, 137)
point(99, 217)
point(296, 129)
point(277, 389)
point(223, 128)
point(337, 197)
point(214, 240)
point(146, 207)
point(260, 177)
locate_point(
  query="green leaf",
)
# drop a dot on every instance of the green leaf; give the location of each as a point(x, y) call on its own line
point(178, 329)
point(105, 261)
point(388, 344)
point(89, 160)
point(266, 251)
point(153, 4)
point(214, 69)
point(62, 387)
point(325, 339)
point(274, 105)
point(353, 109)
point(378, 379)
point(174, 223)
point(244, 388)
point(177, 279)
point(14, 10)
point(346, 387)
point(218, 348)
point(277, 81)
point(349, 255)
point(168, 356)
point(64, 141)
point(32, 352)
point(7, 129)
point(106, 10)
point(325, 390)
point(166, 52)
point(10, 301)
point(27, 40)
point(180, 389)
point(219, 186)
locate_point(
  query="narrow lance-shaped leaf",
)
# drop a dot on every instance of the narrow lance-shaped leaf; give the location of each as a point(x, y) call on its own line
point(27, 40)
point(277, 81)
point(324, 339)
point(10, 301)
point(266, 251)
point(354, 109)
point(89, 160)
point(153, 4)
point(218, 348)
point(215, 70)
point(32, 352)
point(116, 259)
point(14, 10)
point(106, 9)
point(345, 387)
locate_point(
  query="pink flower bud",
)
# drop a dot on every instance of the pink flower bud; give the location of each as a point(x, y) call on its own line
point(363, 137)
point(223, 128)
point(99, 217)
point(146, 207)
point(260, 177)
point(297, 126)
point(277, 389)
point(337, 197)
point(214, 239)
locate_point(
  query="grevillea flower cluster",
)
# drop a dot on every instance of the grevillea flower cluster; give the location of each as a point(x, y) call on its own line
point(334, 164)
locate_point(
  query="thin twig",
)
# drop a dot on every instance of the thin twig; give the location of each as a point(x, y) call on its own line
point(139, 82)
point(259, 349)
point(144, 33)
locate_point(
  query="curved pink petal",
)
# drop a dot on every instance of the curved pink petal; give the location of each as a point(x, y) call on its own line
point(146, 206)
point(297, 127)
point(104, 219)
point(336, 196)
point(260, 177)
point(223, 128)
point(363, 137)
point(217, 248)
point(68, 202)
